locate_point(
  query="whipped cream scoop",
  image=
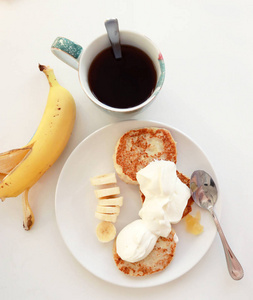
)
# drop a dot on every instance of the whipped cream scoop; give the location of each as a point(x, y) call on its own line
point(135, 241)
point(166, 196)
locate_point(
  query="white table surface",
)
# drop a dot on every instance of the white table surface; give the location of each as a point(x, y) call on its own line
point(208, 50)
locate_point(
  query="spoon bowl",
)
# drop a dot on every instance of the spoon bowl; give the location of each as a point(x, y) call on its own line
point(203, 188)
point(205, 195)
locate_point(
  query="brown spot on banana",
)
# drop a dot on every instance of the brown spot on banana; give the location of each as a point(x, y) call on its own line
point(42, 67)
point(28, 223)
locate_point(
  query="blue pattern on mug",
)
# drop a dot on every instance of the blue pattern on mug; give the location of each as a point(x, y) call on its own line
point(67, 46)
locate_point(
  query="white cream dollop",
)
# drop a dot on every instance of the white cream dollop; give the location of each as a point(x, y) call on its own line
point(135, 241)
point(165, 200)
point(166, 196)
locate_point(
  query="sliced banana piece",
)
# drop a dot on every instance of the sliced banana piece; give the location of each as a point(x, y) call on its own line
point(108, 209)
point(106, 217)
point(107, 192)
point(105, 232)
point(111, 201)
point(104, 179)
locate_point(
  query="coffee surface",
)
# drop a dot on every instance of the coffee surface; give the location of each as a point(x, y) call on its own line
point(125, 82)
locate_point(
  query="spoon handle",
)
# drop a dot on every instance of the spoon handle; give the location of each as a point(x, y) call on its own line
point(112, 28)
point(234, 267)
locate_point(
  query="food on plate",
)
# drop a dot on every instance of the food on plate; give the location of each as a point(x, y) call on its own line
point(22, 168)
point(193, 223)
point(137, 148)
point(158, 259)
point(107, 192)
point(109, 178)
point(109, 203)
point(108, 209)
point(105, 231)
point(166, 197)
point(146, 157)
point(135, 241)
point(106, 217)
point(186, 181)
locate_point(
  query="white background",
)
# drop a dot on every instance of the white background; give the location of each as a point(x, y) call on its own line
point(208, 50)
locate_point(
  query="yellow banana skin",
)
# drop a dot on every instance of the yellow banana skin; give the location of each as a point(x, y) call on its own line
point(47, 143)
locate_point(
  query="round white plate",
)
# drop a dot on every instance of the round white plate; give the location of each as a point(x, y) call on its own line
point(75, 206)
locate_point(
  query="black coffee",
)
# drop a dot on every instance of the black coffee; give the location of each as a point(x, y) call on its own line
point(125, 82)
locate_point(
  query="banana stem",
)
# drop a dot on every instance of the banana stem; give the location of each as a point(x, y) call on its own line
point(50, 75)
point(27, 211)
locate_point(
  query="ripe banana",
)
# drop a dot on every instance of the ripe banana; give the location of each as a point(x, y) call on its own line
point(105, 232)
point(21, 168)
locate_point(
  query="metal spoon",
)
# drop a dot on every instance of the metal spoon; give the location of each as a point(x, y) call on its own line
point(204, 193)
point(112, 28)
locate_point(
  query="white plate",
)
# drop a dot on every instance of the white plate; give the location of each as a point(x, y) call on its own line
point(76, 204)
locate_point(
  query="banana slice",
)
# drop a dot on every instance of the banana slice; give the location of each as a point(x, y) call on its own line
point(105, 232)
point(106, 217)
point(107, 192)
point(108, 209)
point(104, 179)
point(111, 201)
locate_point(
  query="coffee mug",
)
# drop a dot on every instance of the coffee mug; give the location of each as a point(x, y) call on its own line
point(81, 59)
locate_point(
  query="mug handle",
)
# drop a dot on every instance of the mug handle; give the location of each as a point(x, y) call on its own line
point(67, 51)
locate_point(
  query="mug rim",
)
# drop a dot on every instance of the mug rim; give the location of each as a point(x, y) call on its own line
point(159, 83)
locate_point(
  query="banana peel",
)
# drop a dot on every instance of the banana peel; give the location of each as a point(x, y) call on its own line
point(8, 161)
point(21, 168)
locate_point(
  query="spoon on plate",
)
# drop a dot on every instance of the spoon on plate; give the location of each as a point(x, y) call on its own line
point(205, 194)
point(112, 27)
